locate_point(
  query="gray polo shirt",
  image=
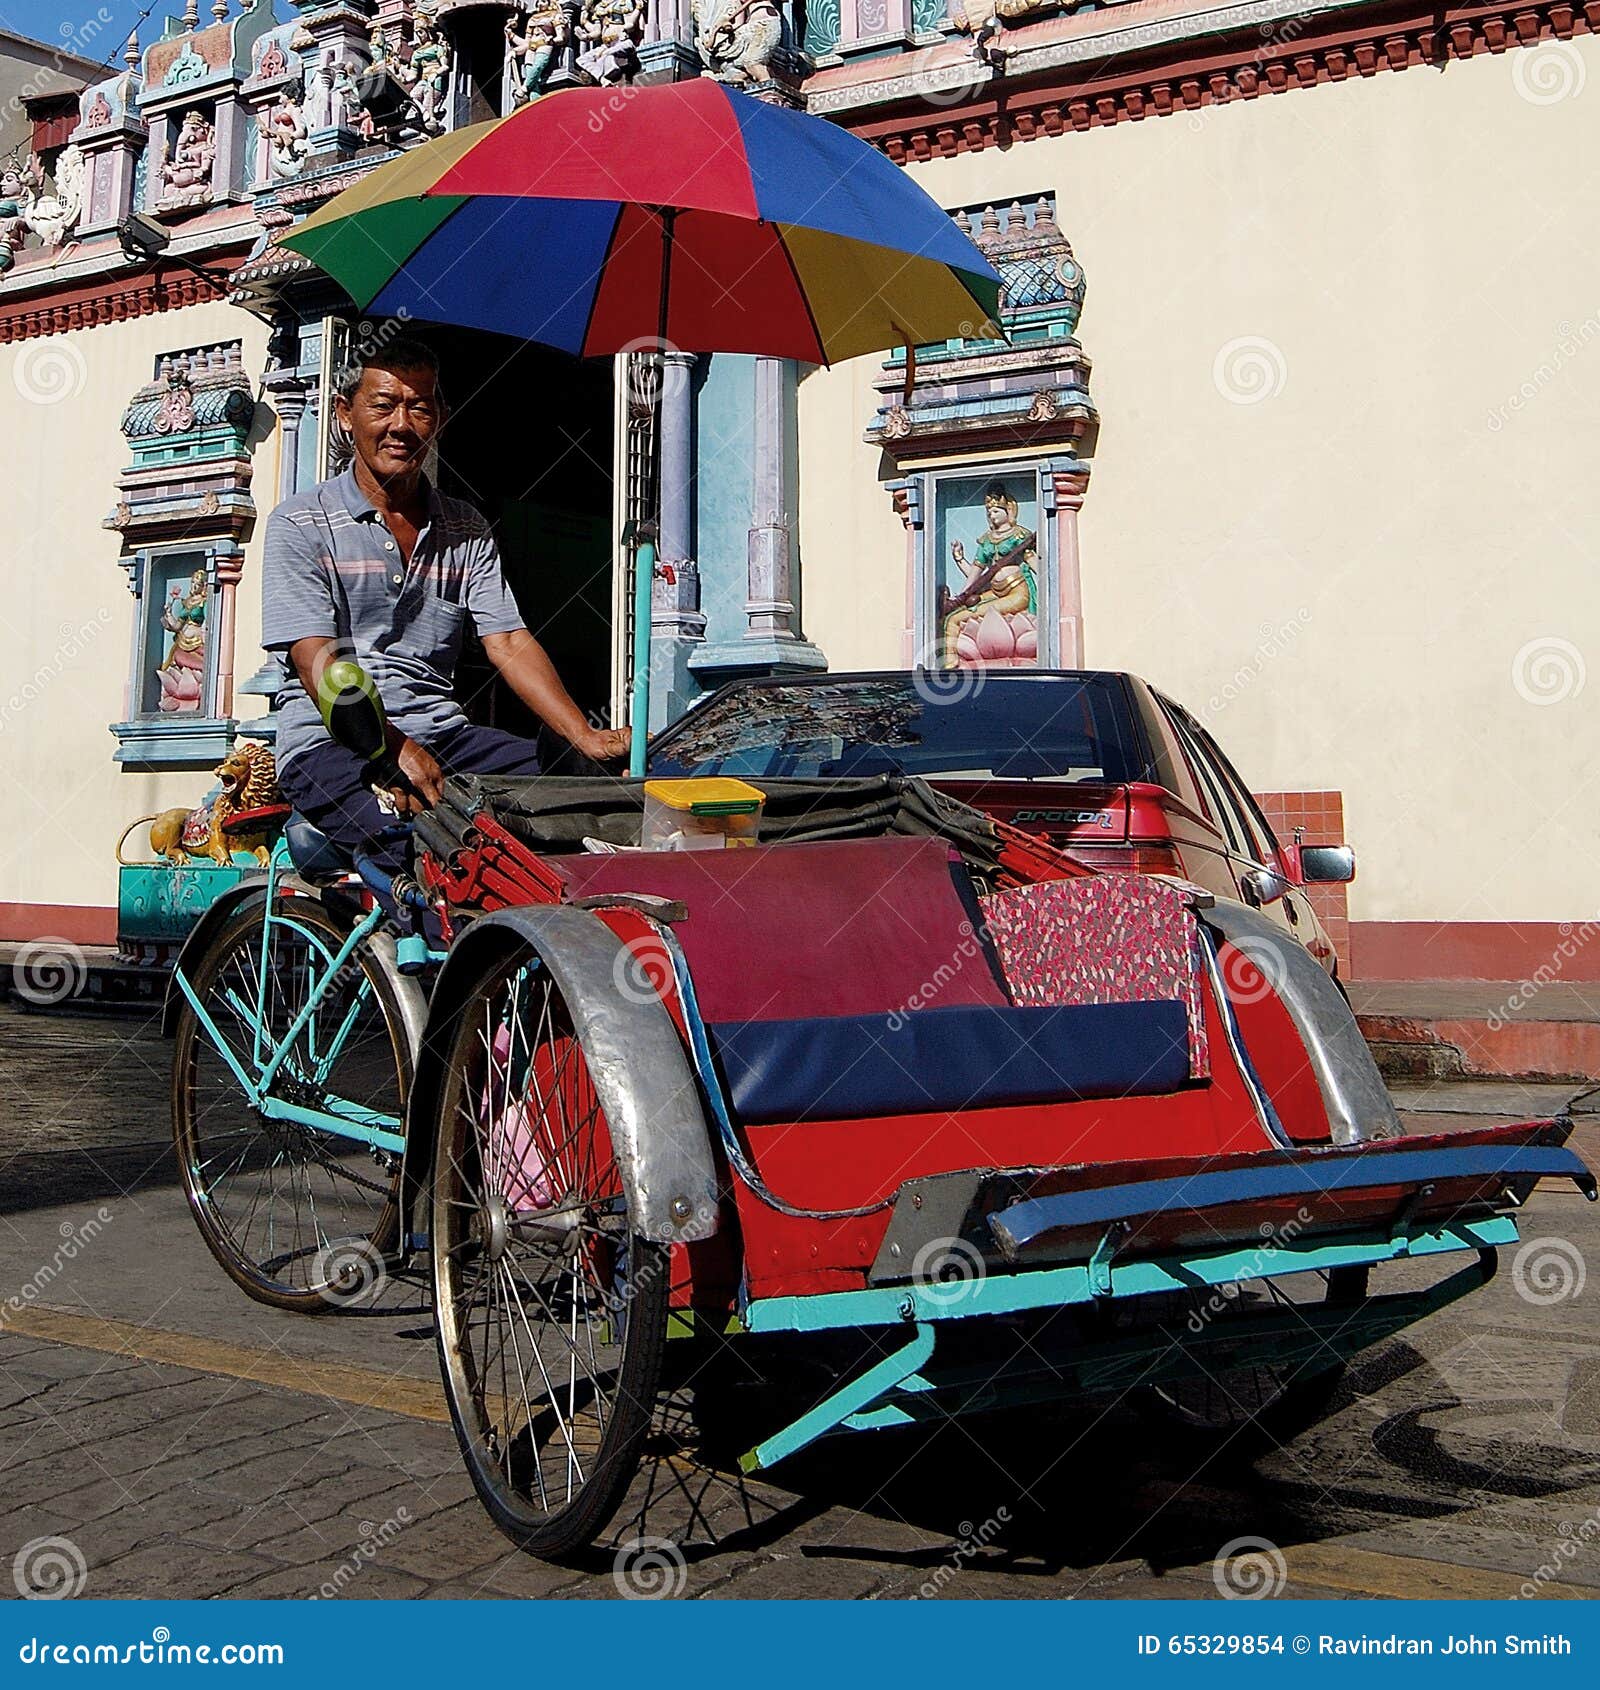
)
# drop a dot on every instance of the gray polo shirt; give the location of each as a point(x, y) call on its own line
point(333, 569)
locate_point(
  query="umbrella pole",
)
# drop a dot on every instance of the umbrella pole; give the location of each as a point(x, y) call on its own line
point(644, 557)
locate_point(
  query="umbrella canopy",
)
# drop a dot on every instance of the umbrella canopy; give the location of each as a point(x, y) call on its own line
point(596, 219)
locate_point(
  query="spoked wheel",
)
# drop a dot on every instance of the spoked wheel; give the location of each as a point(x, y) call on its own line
point(551, 1308)
point(299, 1217)
point(1263, 1401)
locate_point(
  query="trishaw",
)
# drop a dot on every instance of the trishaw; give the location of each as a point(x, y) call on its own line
point(896, 1071)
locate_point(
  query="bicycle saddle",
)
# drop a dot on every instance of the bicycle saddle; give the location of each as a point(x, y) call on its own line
point(316, 857)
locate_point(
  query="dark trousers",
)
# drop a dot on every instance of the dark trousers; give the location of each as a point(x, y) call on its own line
point(328, 786)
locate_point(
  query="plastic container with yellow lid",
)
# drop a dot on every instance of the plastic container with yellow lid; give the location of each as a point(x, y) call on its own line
point(706, 813)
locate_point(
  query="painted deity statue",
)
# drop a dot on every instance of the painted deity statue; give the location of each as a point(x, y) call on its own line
point(13, 231)
point(430, 66)
point(530, 52)
point(283, 127)
point(611, 31)
point(186, 170)
point(182, 670)
point(736, 39)
point(994, 619)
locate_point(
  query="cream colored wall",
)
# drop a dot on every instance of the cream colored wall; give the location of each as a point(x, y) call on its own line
point(1346, 348)
point(66, 616)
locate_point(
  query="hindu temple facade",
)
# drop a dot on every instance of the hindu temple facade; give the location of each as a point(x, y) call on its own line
point(1317, 462)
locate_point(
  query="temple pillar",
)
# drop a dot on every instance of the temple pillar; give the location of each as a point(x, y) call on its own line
point(769, 640)
point(1063, 488)
point(677, 624)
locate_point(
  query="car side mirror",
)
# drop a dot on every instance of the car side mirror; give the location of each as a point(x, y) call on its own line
point(1327, 865)
point(1262, 886)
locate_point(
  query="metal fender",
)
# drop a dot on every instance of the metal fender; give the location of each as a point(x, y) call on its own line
point(199, 942)
point(641, 1072)
point(1358, 1103)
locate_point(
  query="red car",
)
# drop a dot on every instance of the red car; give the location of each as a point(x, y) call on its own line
point(1096, 761)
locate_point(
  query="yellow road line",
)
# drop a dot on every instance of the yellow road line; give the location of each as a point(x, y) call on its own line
point(417, 1399)
point(1365, 1572)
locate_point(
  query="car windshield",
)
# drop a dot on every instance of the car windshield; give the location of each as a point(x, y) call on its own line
point(961, 725)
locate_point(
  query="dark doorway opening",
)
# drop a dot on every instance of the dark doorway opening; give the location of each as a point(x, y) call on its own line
point(478, 36)
point(529, 442)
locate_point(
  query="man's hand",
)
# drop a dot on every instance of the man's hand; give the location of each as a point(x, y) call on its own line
point(604, 745)
point(424, 778)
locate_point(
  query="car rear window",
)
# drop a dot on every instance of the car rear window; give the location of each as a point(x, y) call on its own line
point(1012, 727)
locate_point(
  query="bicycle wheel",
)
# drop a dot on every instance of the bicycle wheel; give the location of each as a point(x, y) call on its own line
point(298, 1217)
point(550, 1308)
point(1261, 1403)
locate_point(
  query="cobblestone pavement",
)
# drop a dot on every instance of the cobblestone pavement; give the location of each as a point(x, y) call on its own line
point(187, 1441)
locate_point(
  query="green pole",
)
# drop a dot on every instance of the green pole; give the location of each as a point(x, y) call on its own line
point(644, 570)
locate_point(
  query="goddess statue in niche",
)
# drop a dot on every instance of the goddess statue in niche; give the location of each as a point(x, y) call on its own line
point(182, 671)
point(993, 620)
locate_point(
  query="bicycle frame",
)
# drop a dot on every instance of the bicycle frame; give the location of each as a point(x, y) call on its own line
point(345, 1120)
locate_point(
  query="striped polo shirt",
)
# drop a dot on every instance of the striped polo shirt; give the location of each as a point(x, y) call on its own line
point(333, 569)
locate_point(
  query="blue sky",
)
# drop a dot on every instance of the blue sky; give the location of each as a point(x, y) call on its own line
point(82, 26)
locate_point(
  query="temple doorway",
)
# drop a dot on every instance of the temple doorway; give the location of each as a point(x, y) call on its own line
point(529, 441)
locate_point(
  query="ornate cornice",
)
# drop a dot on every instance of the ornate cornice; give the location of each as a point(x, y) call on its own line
point(96, 303)
point(1141, 71)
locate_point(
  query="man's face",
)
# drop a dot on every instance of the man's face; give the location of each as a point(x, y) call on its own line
point(391, 418)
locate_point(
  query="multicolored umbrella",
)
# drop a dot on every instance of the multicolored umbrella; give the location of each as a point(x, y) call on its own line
point(682, 215)
point(597, 217)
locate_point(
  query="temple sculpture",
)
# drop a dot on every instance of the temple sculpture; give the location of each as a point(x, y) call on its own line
point(736, 39)
point(994, 618)
point(182, 671)
point(531, 44)
point(186, 171)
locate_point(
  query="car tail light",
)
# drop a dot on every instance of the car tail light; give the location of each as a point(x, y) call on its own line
point(1141, 859)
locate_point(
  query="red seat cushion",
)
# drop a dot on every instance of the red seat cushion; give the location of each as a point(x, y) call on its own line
point(845, 927)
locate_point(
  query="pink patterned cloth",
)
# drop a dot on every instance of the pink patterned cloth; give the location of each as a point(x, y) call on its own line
point(1102, 938)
